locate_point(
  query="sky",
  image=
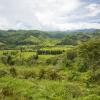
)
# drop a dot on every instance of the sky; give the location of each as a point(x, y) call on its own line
point(59, 15)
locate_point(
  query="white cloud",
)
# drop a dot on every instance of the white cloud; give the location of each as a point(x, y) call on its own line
point(4, 24)
point(94, 9)
point(52, 12)
point(73, 26)
point(47, 14)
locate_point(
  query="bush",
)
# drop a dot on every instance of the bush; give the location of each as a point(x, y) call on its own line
point(49, 73)
point(71, 54)
point(7, 91)
point(7, 59)
point(96, 77)
point(73, 76)
point(82, 66)
point(41, 74)
point(52, 61)
point(4, 59)
point(53, 75)
point(3, 73)
point(29, 74)
point(73, 90)
point(13, 72)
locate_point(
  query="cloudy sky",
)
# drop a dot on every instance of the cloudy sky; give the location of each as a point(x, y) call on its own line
point(49, 14)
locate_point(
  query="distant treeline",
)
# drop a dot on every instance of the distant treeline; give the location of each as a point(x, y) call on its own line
point(49, 52)
point(11, 39)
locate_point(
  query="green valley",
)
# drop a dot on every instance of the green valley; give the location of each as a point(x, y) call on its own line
point(47, 65)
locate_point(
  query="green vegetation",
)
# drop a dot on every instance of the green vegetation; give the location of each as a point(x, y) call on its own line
point(37, 65)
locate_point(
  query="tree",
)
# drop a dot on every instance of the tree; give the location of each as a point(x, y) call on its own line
point(7, 59)
point(69, 57)
point(89, 55)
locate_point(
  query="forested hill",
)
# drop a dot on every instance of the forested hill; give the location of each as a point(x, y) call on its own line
point(14, 38)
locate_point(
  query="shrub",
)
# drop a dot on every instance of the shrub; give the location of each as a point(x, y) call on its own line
point(73, 90)
point(71, 54)
point(4, 59)
point(7, 91)
point(53, 75)
point(73, 76)
point(96, 77)
point(3, 73)
point(7, 59)
point(52, 61)
point(42, 73)
point(13, 72)
point(29, 74)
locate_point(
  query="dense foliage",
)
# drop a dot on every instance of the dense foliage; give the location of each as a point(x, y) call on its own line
point(38, 65)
